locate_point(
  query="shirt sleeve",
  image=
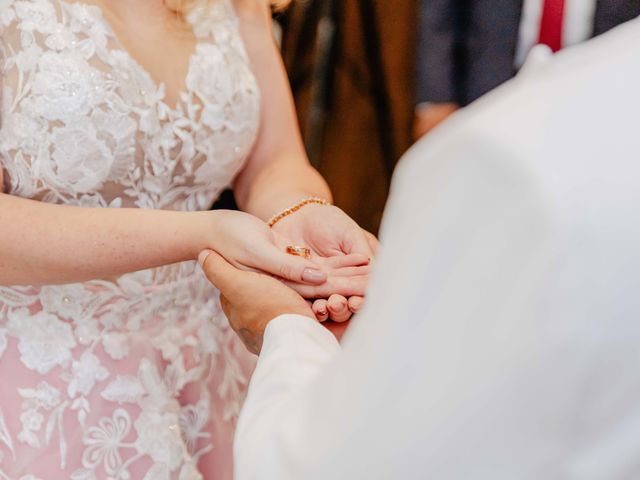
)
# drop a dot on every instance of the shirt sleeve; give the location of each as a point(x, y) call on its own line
point(294, 349)
point(472, 357)
point(462, 232)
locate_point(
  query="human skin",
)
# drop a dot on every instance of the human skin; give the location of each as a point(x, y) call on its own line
point(50, 244)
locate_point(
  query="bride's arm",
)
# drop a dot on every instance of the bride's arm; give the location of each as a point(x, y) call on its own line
point(278, 173)
point(45, 244)
point(42, 243)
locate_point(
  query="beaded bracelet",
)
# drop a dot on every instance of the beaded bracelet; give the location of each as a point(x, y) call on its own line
point(288, 211)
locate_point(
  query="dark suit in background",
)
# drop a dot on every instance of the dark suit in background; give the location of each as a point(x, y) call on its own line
point(468, 47)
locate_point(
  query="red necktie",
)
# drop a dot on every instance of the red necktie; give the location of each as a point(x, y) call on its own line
point(551, 24)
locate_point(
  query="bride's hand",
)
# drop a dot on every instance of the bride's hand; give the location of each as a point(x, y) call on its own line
point(250, 301)
point(248, 244)
point(329, 232)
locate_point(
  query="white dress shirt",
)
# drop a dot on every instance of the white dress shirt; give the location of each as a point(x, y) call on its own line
point(501, 337)
point(579, 18)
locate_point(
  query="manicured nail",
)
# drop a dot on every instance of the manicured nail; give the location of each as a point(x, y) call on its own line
point(313, 276)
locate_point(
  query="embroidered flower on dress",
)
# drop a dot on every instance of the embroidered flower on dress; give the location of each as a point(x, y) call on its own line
point(193, 419)
point(81, 161)
point(157, 398)
point(85, 373)
point(39, 16)
point(26, 132)
point(65, 87)
point(218, 93)
point(124, 389)
point(116, 345)
point(27, 59)
point(62, 300)
point(61, 39)
point(43, 396)
point(87, 330)
point(44, 341)
point(169, 342)
point(31, 421)
point(104, 442)
point(159, 437)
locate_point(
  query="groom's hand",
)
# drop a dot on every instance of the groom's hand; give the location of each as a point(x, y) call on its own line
point(250, 300)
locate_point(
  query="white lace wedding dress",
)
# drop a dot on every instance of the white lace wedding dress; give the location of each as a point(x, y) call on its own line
point(139, 378)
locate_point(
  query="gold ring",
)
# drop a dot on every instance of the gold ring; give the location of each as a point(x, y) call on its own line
point(299, 251)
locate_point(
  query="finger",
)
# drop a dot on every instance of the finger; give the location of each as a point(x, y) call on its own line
point(374, 243)
point(338, 308)
point(289, 267)
point(345, 286)
point(351, 271)
point(355, 304)
point(341, 261)
point(227, 278)
point(203, 257)
point(358, 243)
point(320, 310)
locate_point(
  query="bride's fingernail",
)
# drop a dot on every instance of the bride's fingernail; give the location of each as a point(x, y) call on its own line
point(313, 276)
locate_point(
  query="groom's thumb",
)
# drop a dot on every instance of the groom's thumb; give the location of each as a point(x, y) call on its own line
point(219, 272)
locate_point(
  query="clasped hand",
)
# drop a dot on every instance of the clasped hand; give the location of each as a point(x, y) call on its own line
point(333, 280)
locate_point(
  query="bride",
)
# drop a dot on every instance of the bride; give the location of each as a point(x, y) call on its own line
point(121, 124)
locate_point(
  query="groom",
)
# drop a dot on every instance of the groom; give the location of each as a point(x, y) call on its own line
point(501, 337)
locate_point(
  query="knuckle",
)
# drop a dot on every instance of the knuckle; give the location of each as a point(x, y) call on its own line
point(285, 271)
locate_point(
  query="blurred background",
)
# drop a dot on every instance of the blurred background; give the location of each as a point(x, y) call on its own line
point(369, 77)
point(351, 67)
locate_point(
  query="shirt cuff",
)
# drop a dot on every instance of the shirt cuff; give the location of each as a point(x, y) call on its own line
point(298, 333)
